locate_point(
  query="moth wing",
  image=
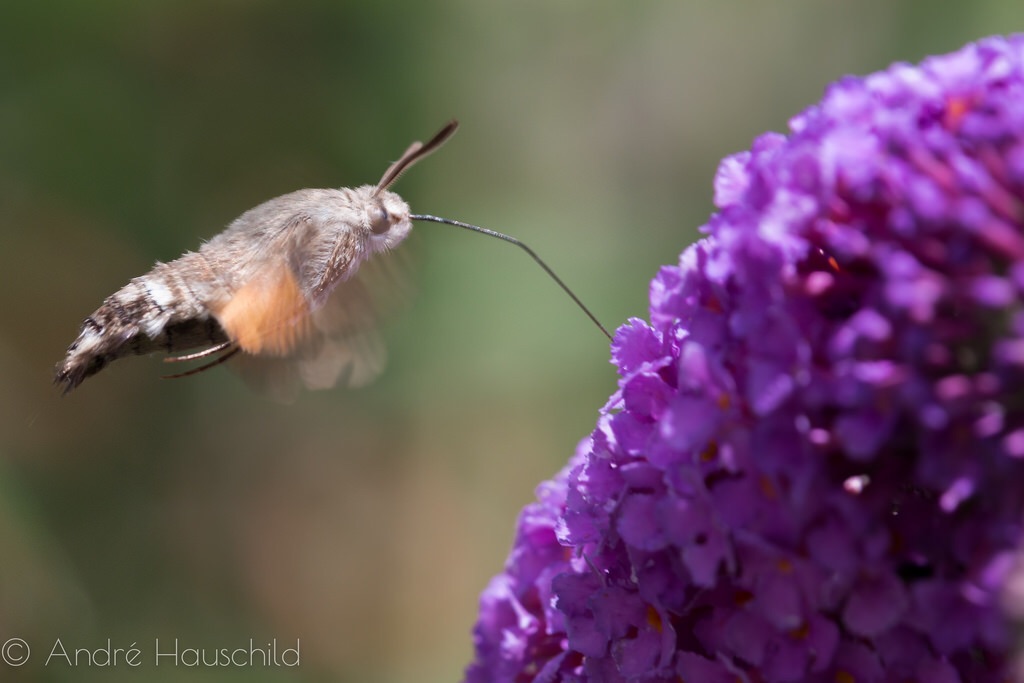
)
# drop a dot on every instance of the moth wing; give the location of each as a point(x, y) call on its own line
point(339, 341)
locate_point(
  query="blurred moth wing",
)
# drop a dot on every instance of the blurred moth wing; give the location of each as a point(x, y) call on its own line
point(292, 338)
point(289, 294)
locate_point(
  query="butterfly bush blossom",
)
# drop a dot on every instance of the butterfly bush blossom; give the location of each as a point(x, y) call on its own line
point(813, 467)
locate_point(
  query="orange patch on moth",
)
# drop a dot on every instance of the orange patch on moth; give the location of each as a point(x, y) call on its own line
point(268, 316)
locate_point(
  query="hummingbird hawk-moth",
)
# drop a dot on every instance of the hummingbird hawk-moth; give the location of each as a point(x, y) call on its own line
point(287, 291)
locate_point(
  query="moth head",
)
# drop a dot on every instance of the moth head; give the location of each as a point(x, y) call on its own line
point(387, 218)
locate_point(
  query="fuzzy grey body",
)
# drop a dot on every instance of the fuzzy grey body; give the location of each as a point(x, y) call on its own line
point(318, 237)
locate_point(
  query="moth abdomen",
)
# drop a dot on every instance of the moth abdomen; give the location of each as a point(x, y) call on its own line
point(154, 312)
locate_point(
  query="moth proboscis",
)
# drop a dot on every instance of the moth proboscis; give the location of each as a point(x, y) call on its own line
point(288, 292)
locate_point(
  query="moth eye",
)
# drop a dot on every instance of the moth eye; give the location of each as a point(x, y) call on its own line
point(380, 221)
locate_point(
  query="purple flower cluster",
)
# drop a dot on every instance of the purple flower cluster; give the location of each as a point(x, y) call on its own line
point(813, 469)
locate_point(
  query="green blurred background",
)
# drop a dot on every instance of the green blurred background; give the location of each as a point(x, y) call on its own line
point(362, 523)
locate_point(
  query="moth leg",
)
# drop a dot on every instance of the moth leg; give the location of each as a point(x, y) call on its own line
point(199, 354)
point(213, 363)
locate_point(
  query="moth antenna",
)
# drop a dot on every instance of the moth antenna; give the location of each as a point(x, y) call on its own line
point(212, 364)
point(414, 153)
point(521, 245)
